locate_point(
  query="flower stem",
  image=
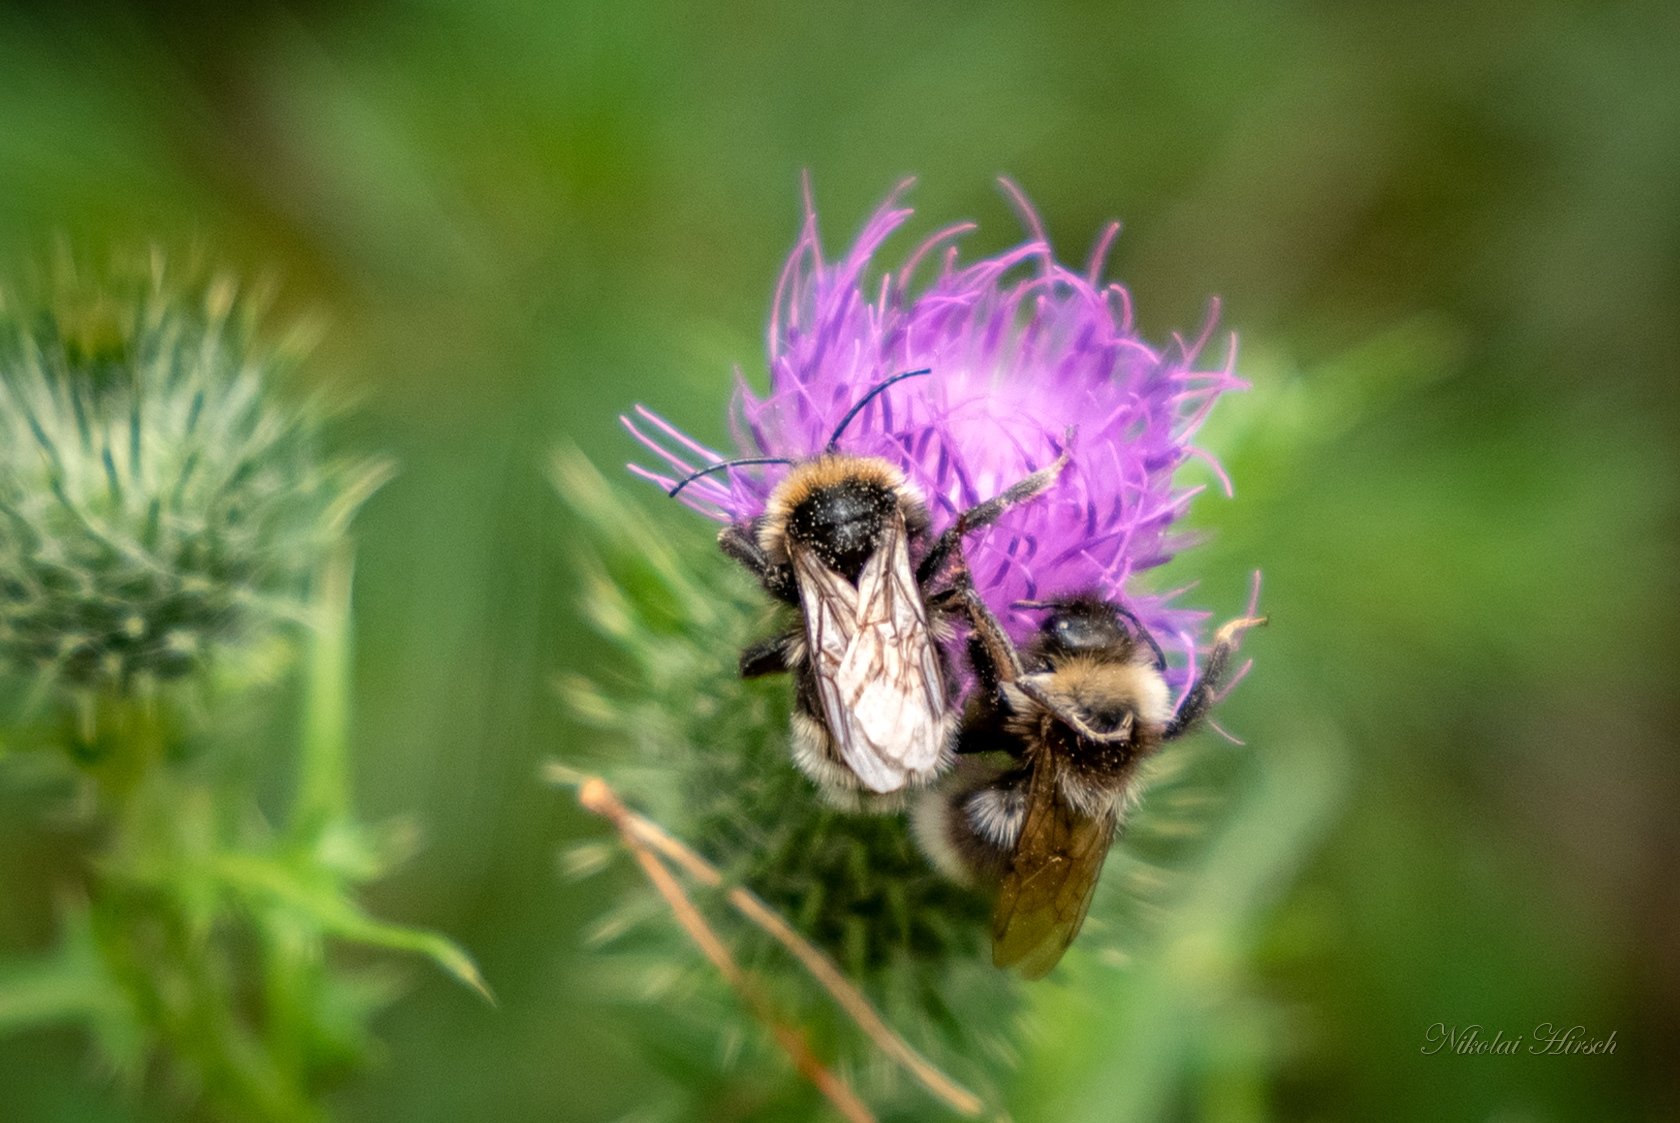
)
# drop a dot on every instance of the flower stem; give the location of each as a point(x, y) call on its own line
point(323, 780)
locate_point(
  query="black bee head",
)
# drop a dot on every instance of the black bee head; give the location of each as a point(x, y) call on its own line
point(1109, 715)
point(1085, 626)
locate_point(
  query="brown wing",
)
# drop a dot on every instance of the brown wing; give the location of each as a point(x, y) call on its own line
point(1051, 879)
point(873, 658)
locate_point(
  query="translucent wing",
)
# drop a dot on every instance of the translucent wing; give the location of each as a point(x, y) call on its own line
point(1051, 879)
point(873, 658)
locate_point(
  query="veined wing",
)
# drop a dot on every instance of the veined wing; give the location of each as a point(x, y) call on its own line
point(873, 658)
point(1051, 879)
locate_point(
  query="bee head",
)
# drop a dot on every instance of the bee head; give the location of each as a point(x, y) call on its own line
point(1091, 626)
point(838, 506)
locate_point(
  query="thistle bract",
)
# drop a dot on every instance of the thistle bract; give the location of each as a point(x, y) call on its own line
point(158, 504)
point(1026, 355)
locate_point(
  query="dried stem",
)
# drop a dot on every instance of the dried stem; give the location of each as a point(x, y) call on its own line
point(595, 796)
point(641, 833)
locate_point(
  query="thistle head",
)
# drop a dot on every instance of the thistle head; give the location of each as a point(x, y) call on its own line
point(1024, 352)
point(1024, 355)
point(161, 504)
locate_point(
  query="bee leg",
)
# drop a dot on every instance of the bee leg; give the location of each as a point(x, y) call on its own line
point(737, 542)
point(1196, 703)
point(984, 514)
point(767, 657)
point(990, 650)
point(991, 654)
point(994, 660)
point(985, 669)
point(1073, 721)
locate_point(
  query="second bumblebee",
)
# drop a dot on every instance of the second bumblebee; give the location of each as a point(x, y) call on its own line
point(1053, 743)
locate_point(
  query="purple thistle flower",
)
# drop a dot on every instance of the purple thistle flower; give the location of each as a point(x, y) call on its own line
point(1022, 350)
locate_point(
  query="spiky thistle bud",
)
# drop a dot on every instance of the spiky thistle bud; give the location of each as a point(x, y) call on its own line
point(160, 504)
point(164, 507)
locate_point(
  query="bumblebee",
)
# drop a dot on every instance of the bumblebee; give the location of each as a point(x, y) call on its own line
point(846, 540)
point(1073, 718)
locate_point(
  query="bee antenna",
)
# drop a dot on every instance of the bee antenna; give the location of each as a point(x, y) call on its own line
point(834, 441)
point(1143, 634)
point(1034, 604)
point(721, 465)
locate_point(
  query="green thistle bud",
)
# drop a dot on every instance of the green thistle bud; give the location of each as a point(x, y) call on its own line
point(159, 505)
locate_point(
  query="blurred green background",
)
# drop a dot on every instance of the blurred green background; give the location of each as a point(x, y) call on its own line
point(1448, 235)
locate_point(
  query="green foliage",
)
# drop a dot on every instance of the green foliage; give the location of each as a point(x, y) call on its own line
point(202, 940)
point(193, 952)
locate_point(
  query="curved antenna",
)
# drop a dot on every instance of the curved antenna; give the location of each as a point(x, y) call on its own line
point(834, 441)
point(1143, 633)
point(721, 465)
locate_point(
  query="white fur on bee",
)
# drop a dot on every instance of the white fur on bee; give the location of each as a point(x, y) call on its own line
point(1090, 800)
point(996, 814)
point(815, 755)
point(930, 825)
point(968, 819)
point(941, 628)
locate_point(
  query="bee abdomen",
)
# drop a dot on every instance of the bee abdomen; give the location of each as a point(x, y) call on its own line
point(969, 828)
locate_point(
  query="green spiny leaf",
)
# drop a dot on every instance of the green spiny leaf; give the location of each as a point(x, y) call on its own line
point(267, 880)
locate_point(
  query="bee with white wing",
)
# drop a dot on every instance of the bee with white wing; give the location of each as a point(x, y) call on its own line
point(845, 540)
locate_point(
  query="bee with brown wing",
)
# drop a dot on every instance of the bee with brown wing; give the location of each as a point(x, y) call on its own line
point(1074, 716)
point(846, 540)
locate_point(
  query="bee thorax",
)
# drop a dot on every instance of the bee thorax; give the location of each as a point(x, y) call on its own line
point(1104, 696)
point(842, 524)
point(837, 506)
